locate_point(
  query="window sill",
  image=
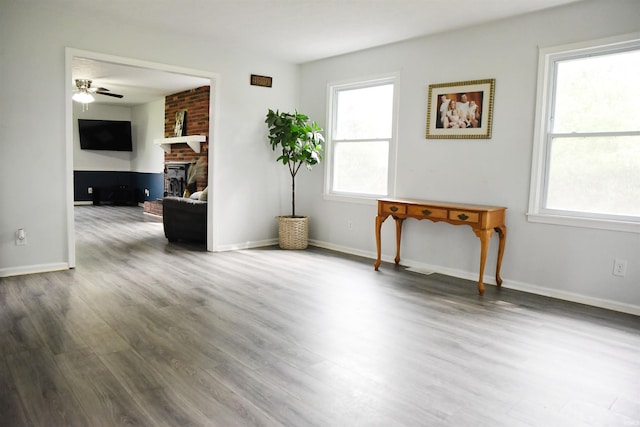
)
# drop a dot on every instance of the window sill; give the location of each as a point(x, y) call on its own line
point(372, 200)
point(572, 221)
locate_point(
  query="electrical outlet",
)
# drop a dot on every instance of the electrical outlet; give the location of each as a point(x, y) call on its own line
point(620, 267)
point(349, 224)
point(146, 192)
point(21, 237)
point(90, 190)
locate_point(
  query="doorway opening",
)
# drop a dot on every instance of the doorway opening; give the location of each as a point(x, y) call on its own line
point(144, 86)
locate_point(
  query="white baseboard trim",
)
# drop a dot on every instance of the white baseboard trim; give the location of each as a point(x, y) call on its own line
point(506, 283)
point(345, 249)
point(82, 203)
point(414, 265)
point(246, 245)
point(33, 269)
point(467, 275)
point(573, 297)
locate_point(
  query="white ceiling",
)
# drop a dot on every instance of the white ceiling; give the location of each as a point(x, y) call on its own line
point(138, 85)
point(296, 31)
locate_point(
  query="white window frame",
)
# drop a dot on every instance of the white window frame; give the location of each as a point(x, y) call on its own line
point(332, 89)
point(547, 59)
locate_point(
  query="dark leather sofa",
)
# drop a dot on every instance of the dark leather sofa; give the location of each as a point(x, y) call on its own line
point(184, 219)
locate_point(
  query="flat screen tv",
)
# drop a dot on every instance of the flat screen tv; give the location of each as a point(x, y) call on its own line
point(112, 135)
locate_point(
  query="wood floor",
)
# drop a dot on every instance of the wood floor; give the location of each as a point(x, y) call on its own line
point(148, 333)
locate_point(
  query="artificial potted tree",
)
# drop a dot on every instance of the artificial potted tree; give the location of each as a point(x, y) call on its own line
point(300, 141)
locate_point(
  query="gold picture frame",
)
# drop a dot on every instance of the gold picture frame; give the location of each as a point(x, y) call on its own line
point(460, 110)
point(179, 128)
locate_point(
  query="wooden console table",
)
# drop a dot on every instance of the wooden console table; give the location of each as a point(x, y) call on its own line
point(482, 219)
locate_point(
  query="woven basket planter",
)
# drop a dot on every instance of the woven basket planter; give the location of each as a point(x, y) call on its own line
point(293, 233)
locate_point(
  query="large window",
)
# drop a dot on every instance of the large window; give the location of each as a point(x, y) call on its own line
point(361, 143)
point(586, 169)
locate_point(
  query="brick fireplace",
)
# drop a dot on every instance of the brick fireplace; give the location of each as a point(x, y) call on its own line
point(196, 104)
point(196, 122)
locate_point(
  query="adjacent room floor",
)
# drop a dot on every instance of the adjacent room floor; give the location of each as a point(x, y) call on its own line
point(144, 332)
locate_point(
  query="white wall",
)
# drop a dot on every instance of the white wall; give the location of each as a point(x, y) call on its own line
point(33, 37)
point(566, 262)
point(147, 125)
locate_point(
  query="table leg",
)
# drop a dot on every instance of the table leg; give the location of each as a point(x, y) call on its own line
point(485, 237)
point(502, 233)
point(399, 222)
point(379, 221)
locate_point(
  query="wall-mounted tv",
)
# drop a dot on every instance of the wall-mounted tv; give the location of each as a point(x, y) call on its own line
point(112, 135)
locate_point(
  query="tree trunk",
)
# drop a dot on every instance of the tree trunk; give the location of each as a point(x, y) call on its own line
point(293, 197)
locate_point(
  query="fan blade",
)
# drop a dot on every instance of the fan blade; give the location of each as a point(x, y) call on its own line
point(115, 95)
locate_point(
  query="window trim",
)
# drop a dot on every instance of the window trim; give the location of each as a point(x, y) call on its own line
point(358, 83)
point(542, 135)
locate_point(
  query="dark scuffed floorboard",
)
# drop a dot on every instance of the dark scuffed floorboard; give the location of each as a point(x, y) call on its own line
point(144, 332)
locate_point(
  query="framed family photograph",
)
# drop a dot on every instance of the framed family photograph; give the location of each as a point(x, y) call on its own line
point(460, 110)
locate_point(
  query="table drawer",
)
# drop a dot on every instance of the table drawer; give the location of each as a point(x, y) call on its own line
point(464, 216)
point(394, 208)
point(427, 211)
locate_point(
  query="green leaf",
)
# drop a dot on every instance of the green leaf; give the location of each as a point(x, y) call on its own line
point(299, 138)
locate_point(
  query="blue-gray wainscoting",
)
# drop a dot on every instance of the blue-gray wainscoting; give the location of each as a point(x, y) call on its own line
point(117, 187)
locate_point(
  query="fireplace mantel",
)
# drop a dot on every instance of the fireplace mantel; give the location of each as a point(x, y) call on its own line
point(192, 141)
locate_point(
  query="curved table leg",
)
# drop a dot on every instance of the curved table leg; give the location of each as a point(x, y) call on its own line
point(399, 222)
point(502, 233)
point(379, 221)
point(485, 237)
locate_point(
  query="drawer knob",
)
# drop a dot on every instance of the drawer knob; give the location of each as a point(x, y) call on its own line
point(426, 212)
point(463, 217)
point(393, 208)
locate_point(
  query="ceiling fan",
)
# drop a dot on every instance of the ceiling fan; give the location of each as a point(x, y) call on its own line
point(84, 92)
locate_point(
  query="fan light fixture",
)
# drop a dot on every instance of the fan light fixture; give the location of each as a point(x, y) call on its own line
point(82, 94)
point(83, 97)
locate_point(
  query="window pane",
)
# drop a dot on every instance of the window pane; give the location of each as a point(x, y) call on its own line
point(598, 93)
point(595, 175)
point(361, 167)
point(364, 113)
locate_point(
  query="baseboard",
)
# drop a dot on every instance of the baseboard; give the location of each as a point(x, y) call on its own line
point(573, 297)
point(347, 250)
point(82, 203)
point(414, 265)
point(33, 269)
point(247, 245)
point(509, 284)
